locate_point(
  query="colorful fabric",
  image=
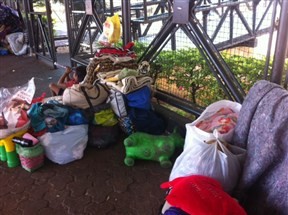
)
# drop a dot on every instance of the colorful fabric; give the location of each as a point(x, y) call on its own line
point(117, 52)
point(126, 125)
point(198, 194)
point(51, 116)
point(223, 120)
point(76, 117)
point(131, 84)
point(101, 65)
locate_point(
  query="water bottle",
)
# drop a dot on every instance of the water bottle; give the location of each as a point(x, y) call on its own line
point(22, 141)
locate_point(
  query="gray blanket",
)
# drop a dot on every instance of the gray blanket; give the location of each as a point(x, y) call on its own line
point(262, 129)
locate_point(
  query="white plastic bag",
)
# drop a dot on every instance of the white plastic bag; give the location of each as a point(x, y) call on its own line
point(212, 158)
point(17, 42)
point(209, 111)
point(65, 146)
point(23, 93)
point(215, 160)
point(14, 103)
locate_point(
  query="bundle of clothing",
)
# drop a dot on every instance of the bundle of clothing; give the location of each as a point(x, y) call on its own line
point(9, 21)
point(136, 90)
point(11, 31)
point(108, 59)
point(197, 194)
point(131, 88)
point(52, 116)
point(262, 130)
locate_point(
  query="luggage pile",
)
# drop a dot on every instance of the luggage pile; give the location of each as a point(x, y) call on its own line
point(114, 95)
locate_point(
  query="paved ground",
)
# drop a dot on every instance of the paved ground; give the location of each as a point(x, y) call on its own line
point(100, 183)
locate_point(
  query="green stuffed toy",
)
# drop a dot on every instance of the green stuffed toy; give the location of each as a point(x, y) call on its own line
point(145, 146)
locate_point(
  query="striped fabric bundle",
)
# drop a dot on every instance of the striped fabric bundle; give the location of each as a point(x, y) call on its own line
point(131, 84)
point(105, 65)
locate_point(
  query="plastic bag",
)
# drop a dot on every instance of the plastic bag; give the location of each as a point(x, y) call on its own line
point(208, 112)
point(13, 105)
point(24, 93)
point(105, 117)
point(17, 42)
point(65, 146)
point(212, 158)
point(209, 153)
point(111, 30)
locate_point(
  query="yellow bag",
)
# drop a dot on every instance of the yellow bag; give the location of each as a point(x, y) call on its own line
point(105, 118)
point(112, 28)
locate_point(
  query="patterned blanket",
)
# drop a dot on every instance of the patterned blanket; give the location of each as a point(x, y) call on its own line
point(262, 129)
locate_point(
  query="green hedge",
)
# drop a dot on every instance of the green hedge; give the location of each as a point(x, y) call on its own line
point(187, 70)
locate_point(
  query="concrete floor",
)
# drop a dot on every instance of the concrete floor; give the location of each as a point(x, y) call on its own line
point(99, 183)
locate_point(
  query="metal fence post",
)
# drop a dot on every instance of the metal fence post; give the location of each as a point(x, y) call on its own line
point(281, 45)
point(126, 21)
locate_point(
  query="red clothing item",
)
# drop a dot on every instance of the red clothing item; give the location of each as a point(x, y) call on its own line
point(70, 83)
point(201, 195)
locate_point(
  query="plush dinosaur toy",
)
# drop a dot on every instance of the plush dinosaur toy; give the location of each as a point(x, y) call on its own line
point(145, 146)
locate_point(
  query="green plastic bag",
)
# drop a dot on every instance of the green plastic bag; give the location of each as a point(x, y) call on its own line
point(29, 152)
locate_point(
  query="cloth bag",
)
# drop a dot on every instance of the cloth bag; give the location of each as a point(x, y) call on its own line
point(117, 102)
point(74, 97)
point(103, 128)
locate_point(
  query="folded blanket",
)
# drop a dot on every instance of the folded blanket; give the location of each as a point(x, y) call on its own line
point(262, 130)
point(117, 75)
point(102, 65)
point(131, 83)
point(115, 59)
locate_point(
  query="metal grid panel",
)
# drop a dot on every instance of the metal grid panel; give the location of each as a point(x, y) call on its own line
point(244, 41)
